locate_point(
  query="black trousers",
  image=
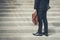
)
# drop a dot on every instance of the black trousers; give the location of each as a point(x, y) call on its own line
point(42, 18)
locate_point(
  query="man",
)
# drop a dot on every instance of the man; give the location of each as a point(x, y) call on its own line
point(41, 7)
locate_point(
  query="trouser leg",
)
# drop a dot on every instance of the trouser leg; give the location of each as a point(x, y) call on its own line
point(39, 13)
point(45, 22)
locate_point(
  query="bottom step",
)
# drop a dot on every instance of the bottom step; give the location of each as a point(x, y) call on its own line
point(29, 36)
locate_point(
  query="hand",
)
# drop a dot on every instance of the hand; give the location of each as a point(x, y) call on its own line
point(34, 11)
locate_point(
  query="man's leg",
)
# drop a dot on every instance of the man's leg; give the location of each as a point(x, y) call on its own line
point(40, 22)
point(45, 23)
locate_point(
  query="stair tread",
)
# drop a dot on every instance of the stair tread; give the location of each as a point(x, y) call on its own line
point(28, 35)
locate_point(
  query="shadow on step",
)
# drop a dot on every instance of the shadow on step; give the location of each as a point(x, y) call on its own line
point(51, 31)
point(56, 24)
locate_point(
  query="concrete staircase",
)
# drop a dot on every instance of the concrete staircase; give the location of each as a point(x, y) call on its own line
point(16, 24)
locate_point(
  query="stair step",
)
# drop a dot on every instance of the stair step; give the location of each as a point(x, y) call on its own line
point(27, 15)
point(56, 9)
point(27, 29)
point(26, 23)
point(25, 11)
point(25, 5)
point(25, 19)
point(27, 1)
point(29, 36)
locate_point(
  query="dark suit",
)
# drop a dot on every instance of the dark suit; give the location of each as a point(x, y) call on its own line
point(42, 4)
point(41, 7)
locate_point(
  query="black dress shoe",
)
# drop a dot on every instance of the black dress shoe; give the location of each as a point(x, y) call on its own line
point(37, 34)
point(46, 34)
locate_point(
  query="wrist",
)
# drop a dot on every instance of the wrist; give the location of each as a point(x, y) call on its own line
point(34, 10)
